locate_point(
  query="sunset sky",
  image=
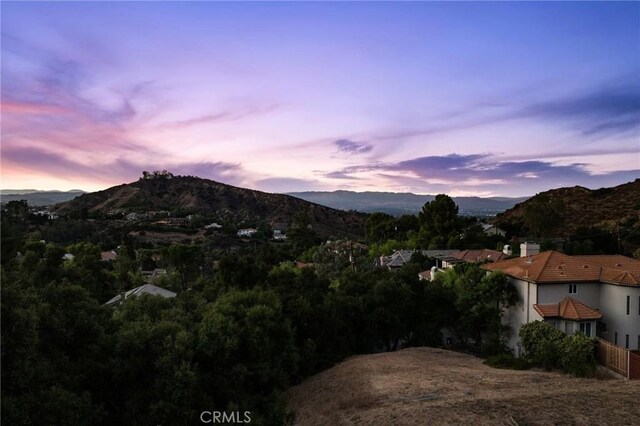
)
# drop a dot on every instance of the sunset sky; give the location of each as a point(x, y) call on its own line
point(479, 98)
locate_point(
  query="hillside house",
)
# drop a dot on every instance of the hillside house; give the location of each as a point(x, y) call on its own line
point(598, 295)
point(400, 257)
point(108, 256)
point(490, 229)
point(247, 232)
point(473, 256)
point(139, 291)
point(278, 235)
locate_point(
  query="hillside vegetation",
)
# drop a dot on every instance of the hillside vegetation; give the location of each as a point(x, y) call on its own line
point(438, 387)
point(564, 211)
point(196, 195)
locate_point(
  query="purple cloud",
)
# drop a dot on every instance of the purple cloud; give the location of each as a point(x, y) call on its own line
point(481, 171)
point(350, 147)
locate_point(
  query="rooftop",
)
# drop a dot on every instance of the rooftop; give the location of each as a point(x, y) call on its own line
point(555, 267)
point(568, 308)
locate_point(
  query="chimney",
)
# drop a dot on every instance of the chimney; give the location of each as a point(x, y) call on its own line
point(433, 272)
point(529, 249)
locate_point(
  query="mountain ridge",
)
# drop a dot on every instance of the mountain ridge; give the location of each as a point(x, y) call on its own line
point(398, 203)
point(189, 194)
point(578, 207)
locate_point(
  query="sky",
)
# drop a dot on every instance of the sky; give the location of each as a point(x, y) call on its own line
point(482, 98)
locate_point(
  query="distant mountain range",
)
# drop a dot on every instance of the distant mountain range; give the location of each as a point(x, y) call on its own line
point(195, 195)
point(38, 198)
point(404, 203)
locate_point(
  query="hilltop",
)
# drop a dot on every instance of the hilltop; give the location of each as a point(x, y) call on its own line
point(578, 207)
point(190, 194)
point(438, 387)
point(398, 203)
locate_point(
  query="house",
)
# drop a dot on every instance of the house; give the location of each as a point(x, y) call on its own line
point(139, 291)
point(400, 257)
point(278, 235)
point(247, 232)
point(490, 229)
point(213, 226)
point(598, 295)
point(473, 256)
point(108, 256)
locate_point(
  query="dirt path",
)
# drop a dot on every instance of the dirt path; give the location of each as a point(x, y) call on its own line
point(420, 386)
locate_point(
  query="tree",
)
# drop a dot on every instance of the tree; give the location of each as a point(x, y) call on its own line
point(186, 260)
point(380, 227)
point(301, 234)
point(480, 300)
point(543, 215)
point(246, 341)
point(438, 222)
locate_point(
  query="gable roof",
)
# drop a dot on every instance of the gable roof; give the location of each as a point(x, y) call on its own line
point(569, 308)
point(144, 289)
point(555, 267)
point(400, 257)
point(479, 255)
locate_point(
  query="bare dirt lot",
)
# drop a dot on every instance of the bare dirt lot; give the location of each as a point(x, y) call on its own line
point(431, 386)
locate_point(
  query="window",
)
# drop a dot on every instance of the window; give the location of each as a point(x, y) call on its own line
point(628, 304)
point(585, 327)
point(626, 342)
point(615, 338)
point(573, 288)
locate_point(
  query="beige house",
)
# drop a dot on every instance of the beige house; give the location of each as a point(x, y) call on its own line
point(598, 295)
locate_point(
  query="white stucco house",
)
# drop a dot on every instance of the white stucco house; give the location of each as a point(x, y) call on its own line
point(247, 232)
point(598, 295)
point(490, 229)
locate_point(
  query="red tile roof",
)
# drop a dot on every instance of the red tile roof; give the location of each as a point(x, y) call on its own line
point(479, 255)
point(555, 267)
point(568, 308)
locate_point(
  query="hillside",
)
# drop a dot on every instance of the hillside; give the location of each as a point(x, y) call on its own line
point(196, 195)
point(403, 203)
point(438, 387)
point(581, 207)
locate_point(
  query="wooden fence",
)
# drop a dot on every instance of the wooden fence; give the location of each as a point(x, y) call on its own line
point(619, 360)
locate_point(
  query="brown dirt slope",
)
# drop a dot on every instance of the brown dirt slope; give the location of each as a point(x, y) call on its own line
point(583, 207)
point(428, 386)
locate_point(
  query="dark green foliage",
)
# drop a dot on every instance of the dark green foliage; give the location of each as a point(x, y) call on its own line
point(438, 222)
point(507, 361)
point(541, 343)
point(578, 356)
point(548, 347)
point(480, 300)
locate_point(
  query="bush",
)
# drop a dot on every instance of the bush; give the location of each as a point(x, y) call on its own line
point(551, 349)
point(507, 361)
point(578, 355)
point(542, 344)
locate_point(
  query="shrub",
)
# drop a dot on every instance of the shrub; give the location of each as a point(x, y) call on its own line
point(578, 355)
point(507, 361)
point(542, 344)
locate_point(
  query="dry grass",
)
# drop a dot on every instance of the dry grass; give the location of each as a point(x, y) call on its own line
point(432, 386)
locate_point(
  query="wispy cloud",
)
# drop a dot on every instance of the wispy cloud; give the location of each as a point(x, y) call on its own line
point(455, 171)
point(351, 147)
point(239, 113)
point(118, 170)
point(611, 111)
